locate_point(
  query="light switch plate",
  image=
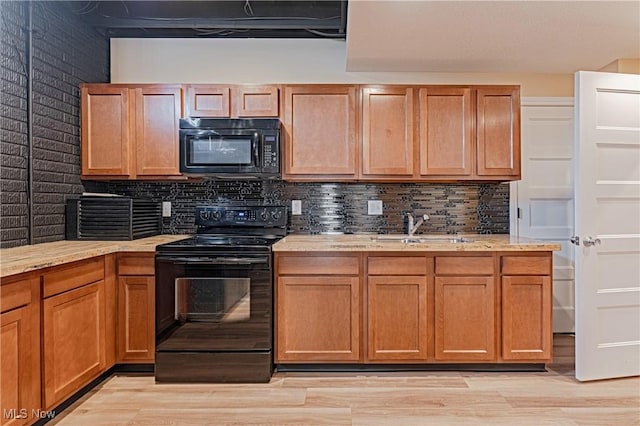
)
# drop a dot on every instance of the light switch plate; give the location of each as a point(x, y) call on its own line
point(374, 207)
point(296, 207)
point(166, 209)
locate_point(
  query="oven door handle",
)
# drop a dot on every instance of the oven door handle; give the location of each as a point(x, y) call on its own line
point(217, 260)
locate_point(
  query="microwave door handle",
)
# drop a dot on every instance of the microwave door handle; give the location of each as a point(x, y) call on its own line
point(256, 152)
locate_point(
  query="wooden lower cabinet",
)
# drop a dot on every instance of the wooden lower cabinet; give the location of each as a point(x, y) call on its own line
point(74, 340)
point(19, 349)
point(465, 319)
point(16, 368)
point(416, 307)
point(136, 307)
point(318, 319)
point(60, 328)
point(526, 318)
point(397, 318)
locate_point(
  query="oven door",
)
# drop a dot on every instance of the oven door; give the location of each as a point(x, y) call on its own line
point(213, 303)
point(220, 151)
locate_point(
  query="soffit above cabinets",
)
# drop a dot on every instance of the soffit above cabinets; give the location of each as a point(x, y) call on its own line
point(491, 36)
point(231, 19)
point(550, 37)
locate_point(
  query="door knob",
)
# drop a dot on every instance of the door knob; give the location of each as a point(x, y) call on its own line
point(590, 241)
point(575, 240)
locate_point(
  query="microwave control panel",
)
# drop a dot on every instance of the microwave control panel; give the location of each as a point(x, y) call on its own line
point(270, 148)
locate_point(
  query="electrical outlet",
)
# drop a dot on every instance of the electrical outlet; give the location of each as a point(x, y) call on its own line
point(296, 207)
point(374, 207)
point(166, 209)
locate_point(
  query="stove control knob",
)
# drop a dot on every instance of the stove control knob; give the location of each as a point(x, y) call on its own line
point(215, 215)
point(275, 215)
point(264, 215)
point(204, 214)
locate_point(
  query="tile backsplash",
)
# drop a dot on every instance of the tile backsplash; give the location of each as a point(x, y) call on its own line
point(336, 207)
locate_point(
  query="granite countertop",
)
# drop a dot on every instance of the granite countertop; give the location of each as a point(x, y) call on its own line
point(428, 242)
point(30, 258)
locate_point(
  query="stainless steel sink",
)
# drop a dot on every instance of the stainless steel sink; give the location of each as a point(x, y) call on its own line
point(421, 239)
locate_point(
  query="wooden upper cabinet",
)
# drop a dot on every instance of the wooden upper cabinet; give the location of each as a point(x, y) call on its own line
point(207, 100)
point(130, 131)
point(204, 100)
point(106, 134)
point(320, 132)
point(157, 111)
point(256, 101)
point(498, 132)
point(445, 137)
point(387, 132)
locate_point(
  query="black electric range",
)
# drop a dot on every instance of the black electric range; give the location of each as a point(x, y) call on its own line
point(214, 297)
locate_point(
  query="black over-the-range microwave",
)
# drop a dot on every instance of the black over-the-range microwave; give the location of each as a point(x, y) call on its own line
point(230, 147)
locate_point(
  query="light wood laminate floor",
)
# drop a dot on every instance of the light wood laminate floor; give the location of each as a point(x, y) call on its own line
point(554, 397)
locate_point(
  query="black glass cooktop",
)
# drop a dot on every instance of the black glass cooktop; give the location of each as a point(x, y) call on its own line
point(222, 242)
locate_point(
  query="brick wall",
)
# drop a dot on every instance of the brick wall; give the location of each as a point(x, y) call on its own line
point(66, 52)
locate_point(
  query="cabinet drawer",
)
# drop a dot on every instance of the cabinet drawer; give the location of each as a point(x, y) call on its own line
point(388, 265)
point(318, 265)
point(136, 264)
point(464, 265)
point(15, 293)
point(73, 276)
point(526, 265)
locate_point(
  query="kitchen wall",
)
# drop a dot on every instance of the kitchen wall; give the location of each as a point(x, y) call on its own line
point(65, 52)
point(286, 61)
point(336, 207)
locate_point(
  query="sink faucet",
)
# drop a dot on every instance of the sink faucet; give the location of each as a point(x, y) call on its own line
point(413, 227)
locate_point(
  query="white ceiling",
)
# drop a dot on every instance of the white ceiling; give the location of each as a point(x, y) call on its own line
point(490, 36)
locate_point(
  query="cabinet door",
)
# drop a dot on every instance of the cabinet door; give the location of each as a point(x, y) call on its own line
point(526, 318)
point(318, 319)
point(203, 100)
point(498, 132)
point(397, 318)
point(320, 126)
point(465, 319)
point(106, 134)
point(445, 136)
point(136, 307)
point(255, 101)
point(19, 381)
point(74, 341)
point(157, 111)
point(387, 132)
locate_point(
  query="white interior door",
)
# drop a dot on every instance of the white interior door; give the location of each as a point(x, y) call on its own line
point(607, 180)
point(544, 195)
